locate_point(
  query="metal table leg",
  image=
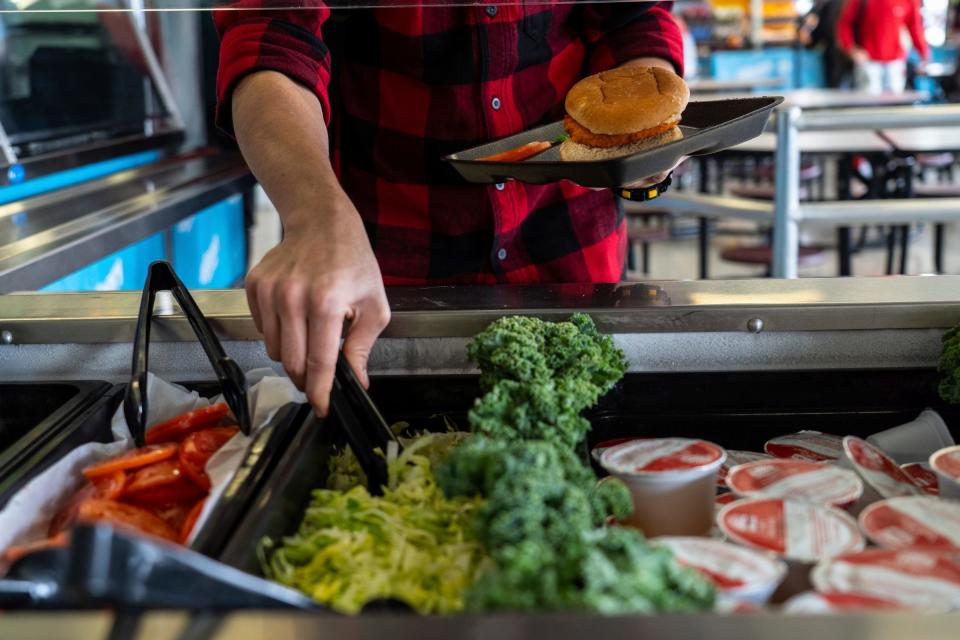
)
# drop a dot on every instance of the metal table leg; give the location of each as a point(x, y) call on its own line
point(938, 230)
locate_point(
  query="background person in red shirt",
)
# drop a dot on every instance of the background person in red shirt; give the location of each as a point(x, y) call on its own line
point(871, 31)
point(344, 118)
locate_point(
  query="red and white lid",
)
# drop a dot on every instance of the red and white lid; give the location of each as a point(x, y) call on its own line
point(600, 447)
point(923, 476)
point(878, 469)
point(726, 498)
point(661, 455)
point(802, 480)
point(731, 568)
point(796, 530)
point(736, 458)
point(915, 521)
point(917, 578)
point(806, 445)
point(836, 602)
point(947, 462)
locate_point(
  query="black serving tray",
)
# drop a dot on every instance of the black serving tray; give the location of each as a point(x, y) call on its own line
point(93, 425)
point(31, 414)
point(708, 127)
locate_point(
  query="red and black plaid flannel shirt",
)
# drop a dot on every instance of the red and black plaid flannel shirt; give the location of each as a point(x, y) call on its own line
point(403, 87)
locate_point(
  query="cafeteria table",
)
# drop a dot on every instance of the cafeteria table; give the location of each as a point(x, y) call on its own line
point(709, 85)
point(919, 140)
point(843, 144)
point(835, 98)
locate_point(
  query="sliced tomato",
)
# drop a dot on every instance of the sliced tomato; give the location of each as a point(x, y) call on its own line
point(191, 521)
point(126, 515)
point(197, 448)
point(67, 515)
point(175, 429)
point(174, 514)
point(13, 554)
point(161, 483)
point(132, 460)
point(110, 486)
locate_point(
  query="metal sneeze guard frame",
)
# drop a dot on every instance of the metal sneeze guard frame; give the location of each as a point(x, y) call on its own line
point(786, 212)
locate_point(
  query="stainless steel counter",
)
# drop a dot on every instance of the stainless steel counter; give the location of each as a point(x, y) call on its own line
point(662, 326)
point(249, 625)
point(49, 236)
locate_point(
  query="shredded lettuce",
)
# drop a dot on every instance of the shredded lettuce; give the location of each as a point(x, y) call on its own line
point(411, 544)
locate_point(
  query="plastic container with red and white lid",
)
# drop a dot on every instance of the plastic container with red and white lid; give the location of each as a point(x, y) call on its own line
point(673, 482)
point(806, 445)
point(916, 578)
point(799, 532)
point(923, 476)
point(946, 464)
point(802, 480)
point(600, 447)
point(736, 458)
point(913, 521)
point(811, 602)
point(748, 575)
point(882, 477)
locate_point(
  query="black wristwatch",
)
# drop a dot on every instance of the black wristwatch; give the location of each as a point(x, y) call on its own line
point(645, 194)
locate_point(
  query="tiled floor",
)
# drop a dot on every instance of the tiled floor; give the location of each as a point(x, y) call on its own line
point(677, 259)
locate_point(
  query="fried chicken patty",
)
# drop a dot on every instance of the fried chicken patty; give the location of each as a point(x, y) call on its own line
point(579, 133)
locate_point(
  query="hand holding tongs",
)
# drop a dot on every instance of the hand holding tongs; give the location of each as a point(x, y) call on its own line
point(232, 381)
point(364, 427)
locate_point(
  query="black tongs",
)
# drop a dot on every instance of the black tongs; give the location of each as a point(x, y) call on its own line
point(233, 383)
point(364, 427)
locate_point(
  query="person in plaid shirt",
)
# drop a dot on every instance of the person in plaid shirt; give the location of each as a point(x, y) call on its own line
point(344, 117)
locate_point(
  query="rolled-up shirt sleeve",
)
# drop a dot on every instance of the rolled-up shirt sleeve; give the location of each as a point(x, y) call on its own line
point(619, 32)
point(256, 38)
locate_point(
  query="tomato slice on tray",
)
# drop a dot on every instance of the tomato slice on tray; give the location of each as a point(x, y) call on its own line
point(126, 515)
point(67, 516)
point(175, 514)
point(13, 554)
point(197, 448)
point(175, 429)
point(132, 459)
point(110, 486)
point(161, 483)
point(191, 521)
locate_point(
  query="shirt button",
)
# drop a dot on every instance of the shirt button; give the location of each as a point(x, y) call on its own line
point(491, 11)
point(502, 254)
point(500, 186)
point(495, 103)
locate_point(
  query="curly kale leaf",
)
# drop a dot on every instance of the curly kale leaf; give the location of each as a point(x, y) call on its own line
point(950, 366)
point(543, 524)
point(539, 376)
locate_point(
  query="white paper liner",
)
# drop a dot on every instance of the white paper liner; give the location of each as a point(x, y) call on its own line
point(27, 515)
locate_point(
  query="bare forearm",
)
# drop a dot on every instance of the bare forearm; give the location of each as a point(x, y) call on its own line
point(279, 125)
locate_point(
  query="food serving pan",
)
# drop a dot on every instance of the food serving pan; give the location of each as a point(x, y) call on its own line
point(708, 127)
point(735, 410)
point(31, 414)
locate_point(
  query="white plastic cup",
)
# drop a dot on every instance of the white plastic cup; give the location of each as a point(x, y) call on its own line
point(915, 440)
point(940, 462)
point(668, 501)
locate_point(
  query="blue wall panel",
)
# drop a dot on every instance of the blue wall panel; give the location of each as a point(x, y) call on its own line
point(125, 270)
point(210, 248)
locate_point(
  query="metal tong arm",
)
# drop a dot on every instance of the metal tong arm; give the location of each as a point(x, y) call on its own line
point(161, 277)
point(364, 426)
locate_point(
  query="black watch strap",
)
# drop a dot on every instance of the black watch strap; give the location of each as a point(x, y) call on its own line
point(645, 194)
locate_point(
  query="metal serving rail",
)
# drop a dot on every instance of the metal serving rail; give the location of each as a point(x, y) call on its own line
point(664, 326)
point(780, 325)
point(49, 236)
point(786, 212)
